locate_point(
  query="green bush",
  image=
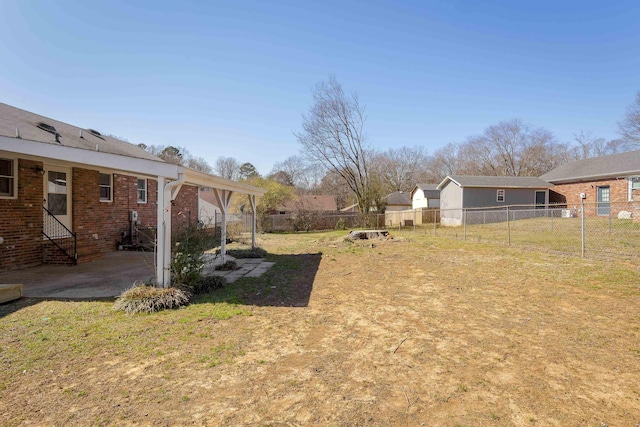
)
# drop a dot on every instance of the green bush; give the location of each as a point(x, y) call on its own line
point(186, 268)
point(208, 284)
point(149, 299)
point(227, 266)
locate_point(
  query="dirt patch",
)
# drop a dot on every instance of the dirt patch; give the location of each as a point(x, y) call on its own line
point(412, 331)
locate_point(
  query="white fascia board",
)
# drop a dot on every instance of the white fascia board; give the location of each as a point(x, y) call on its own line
point(88, 157)
point(202, 179)
point(444, 183)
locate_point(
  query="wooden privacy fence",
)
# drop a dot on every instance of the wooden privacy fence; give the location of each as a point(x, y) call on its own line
point(411, 217)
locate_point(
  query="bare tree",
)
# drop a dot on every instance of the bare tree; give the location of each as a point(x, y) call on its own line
point(399, 169)
point(227, 167)
point(444, 161)
point(510, 148)
point(629, 127)
point(199, 164)
point(334, 185)
point(333, 135)
point(300, 173)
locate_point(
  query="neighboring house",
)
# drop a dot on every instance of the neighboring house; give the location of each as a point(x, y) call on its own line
point(65, 187)
point(603, 180)
point(459, 191)
point(425, 196)
point(310, 203)
point(397, 201)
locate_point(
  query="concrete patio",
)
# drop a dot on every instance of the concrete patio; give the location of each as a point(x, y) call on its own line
point(108, 277)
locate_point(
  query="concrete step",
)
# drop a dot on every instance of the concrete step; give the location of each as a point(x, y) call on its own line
point(10, 292)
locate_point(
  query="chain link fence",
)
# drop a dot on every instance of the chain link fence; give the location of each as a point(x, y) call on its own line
point(594, 230)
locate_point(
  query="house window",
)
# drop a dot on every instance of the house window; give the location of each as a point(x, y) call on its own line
point(500, 196)
point(634, 187)
point(106, 187)
point(8, 177)
point(142, 190)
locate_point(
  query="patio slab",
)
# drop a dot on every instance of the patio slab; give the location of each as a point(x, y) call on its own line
point(110, 276)
point(247, 267)
point(103, 278)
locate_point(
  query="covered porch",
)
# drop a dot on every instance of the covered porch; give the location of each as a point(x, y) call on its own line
point(170, 179)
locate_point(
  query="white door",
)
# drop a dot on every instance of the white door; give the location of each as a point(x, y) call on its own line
point(57, 198)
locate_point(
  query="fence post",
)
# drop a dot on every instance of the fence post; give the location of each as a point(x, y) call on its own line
point(434, 222)
point(414, 220)
point(582, 225)
point(464, 224)
point(508, 228)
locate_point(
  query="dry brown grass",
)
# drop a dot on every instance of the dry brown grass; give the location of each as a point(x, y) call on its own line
point(410, 331)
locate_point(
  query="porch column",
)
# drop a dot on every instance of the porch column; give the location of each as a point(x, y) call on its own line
point(167, 192)
point(160, 233)
point(223, 197)
point(252, 201)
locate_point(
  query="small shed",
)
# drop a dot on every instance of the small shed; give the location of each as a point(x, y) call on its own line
point(459, 192)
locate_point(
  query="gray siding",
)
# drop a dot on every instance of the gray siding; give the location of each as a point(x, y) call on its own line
point(451, 204)
point(486, 197)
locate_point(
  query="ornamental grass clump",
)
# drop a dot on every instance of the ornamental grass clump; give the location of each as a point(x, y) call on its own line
point(149, 299)
point(208, 284)
point(247, 253)
point(227, 266)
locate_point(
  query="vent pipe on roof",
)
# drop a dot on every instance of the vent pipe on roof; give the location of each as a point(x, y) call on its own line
point(17, 133)
point(81, 134)
point(97, 147)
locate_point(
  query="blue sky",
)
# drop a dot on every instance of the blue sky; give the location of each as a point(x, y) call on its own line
point(233, 78)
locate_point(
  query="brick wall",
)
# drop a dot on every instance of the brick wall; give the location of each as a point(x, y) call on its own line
point(21, 220)
point(98, 225)
point(184, 211)
point(618, 193)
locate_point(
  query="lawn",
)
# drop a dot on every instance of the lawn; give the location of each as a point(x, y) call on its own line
point(415, 330)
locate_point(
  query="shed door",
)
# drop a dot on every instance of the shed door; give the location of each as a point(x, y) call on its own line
point(603, 199)
point(541, 198)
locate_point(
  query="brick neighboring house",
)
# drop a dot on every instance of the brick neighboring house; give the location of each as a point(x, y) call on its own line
point(605, 181)
point(89, 183)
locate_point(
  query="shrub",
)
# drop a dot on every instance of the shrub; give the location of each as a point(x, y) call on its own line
point(340, 224)
point(149, 299)
point(247, 253)
point(208, 284)
point(227, 266)
point(186, 268)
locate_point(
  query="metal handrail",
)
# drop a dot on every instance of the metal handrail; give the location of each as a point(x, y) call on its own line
point(60, 231)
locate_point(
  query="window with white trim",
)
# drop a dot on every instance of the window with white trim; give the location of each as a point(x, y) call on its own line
point(142, 190)
point(500, 196)
point(106, 187)
point(8, 175)
point(634, 187)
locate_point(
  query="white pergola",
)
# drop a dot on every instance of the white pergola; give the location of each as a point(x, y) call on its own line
point(170, 179)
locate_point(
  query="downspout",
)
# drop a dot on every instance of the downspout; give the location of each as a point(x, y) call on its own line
point(163, 270)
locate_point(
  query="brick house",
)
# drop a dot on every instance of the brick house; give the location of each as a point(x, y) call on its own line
point(68, 189)
point(609, 183)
